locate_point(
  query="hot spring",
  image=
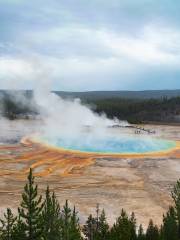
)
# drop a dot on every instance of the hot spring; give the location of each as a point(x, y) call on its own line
point(128, 144)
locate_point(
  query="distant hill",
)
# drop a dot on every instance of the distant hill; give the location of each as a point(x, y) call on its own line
point(134, 106)
point(95, 95)
point(121, 94)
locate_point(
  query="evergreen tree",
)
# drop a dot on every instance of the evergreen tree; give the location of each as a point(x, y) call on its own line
point(141, 235)
point(133, 226)
point(161, 233)
point(89, 228)
point(31, 209)
point(103, 228)
point(19, 230)
point(170, 227)
point(97, 217)
point(51, 217)
point(75, 232)
point(70, 223)
point(176, 198)
point(66, 219)
point(7, 223)
point(122, 229)
point(152, 232)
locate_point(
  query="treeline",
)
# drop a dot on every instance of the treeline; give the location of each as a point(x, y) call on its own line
point(41, 218)
point(139, 110)
point(17, 104)
point(22, 105)
point(14, 110)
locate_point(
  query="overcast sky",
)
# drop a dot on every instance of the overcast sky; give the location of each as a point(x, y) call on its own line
point(79, 45)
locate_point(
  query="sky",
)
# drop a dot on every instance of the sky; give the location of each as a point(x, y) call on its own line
point(86, 45)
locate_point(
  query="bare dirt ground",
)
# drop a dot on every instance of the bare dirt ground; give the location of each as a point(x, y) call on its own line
point(141, 184)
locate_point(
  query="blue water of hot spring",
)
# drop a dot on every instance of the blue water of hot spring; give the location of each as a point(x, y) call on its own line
point(123, 144)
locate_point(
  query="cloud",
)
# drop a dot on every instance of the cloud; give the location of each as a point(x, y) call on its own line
point(150, 45)
point(153, 46)
point(88, 45)
point(13, 72)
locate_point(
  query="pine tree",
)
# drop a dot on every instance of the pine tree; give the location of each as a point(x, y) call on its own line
point(152, 232)
point(75, 232)
point(19, 230)
point(89, 228)
point(161, 233)
point(103, 228)
point(31, 209)
point(66, 221)
point(176, 197)
point(133, 226)
point(97, 217)
point(7, 225)
point(122, 229)
point(170, 226)
point(141, 235)
point(51, 217)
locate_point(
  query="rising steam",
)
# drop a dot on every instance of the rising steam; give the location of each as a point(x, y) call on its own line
point(70, 122)
point(61, 118)
point(70, 119)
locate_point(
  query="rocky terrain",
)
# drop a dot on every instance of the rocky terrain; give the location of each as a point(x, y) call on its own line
point(139, 183)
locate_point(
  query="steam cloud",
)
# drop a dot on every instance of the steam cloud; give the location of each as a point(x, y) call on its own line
point(67, 119)
point(70, 119)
